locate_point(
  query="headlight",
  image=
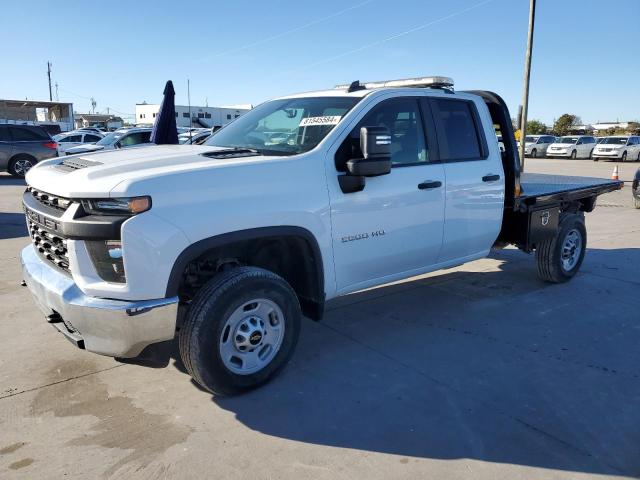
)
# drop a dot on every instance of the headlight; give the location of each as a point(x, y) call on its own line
point(117, 206)
point(106, 256)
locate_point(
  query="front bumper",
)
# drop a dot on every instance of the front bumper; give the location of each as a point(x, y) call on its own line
point(614, 154)
point(555, 153)
point(114, 328)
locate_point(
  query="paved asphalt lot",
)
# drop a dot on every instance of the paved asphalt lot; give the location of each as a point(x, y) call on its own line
point(476, 372)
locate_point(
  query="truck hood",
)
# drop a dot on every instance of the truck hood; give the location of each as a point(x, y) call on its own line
point(97, 174)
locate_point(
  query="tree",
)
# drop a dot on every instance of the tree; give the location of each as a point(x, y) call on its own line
point(536, 127)
point(564, 123)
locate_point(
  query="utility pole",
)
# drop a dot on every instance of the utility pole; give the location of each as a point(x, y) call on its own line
point(49, 76)
point(527, 74)
point(93, 105)
point(57, 96)
point(189, 102)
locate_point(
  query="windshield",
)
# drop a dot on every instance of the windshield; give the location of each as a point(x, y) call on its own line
point(284, 127)
point(615, 141)
point(567, 140)
point(531, 139)
point(110, 139)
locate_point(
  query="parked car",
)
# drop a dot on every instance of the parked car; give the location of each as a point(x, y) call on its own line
point(195, 138)
point(229, 243)
point(92, 129)
point(123, 138)
point(621, 148)
point(537, 145)
point(73, 139)
point(22, 146)
point(635, 189)
point(573, 146)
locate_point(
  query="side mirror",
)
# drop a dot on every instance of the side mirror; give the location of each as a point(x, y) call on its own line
point(375, 143)
point(117, 145)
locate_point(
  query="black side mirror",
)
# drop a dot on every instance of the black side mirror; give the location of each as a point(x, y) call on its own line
point(375, 143)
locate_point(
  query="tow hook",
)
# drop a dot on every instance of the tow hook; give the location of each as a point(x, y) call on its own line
point(23, 283)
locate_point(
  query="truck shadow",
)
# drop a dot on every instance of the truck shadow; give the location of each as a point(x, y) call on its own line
point(489, 365)
point(13, 225)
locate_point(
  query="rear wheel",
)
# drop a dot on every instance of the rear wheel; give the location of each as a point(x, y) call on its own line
point(20, 165)
point(574, 155)
point(559, 258)
point(624, 157)
point(240, 330)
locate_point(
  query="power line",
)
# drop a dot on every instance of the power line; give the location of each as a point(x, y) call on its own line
point(388, 39)
point(288, 32)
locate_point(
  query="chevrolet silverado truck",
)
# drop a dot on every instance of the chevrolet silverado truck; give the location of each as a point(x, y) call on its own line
point(303, 199)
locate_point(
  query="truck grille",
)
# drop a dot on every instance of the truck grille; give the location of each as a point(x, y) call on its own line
point(50, 200)
point(52, 247)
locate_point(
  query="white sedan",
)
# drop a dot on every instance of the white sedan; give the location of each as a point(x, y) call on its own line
point(73, 139)
point(618, 148)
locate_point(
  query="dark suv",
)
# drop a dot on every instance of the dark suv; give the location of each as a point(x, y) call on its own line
point(22, 146)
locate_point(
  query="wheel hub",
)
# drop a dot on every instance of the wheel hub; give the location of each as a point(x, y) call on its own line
point(249, 334)
point(571, 249)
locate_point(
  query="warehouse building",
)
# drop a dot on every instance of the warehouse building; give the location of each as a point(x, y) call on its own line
point(206, 117)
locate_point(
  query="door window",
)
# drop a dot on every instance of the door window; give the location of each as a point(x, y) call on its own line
point(27, 134)
point(91, 138)
point(458, 135)
point(402, 117)
point(71, 139)
point(135, 138)
point(4, 134)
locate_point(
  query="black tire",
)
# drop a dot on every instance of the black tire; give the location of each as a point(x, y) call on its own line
point(549, 253)
point(591, 153)
point(574, 155)
point(636, 202)
point(202, 329)
point(20, 164)
point(624, 157)
point(534, 153)
point(638, 159)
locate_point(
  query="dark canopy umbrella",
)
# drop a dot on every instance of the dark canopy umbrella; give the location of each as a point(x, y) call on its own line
point(164, 129)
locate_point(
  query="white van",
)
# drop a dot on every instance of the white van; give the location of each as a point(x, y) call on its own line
point(572, 146)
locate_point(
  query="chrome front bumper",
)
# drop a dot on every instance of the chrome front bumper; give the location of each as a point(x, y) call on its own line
point(109, 327)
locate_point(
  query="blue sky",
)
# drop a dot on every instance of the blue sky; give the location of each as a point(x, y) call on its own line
point(586, 52)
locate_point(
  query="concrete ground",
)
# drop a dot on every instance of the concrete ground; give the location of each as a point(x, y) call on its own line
point(475, 372)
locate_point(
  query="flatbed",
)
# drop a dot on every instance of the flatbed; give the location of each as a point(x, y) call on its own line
point(539, 188)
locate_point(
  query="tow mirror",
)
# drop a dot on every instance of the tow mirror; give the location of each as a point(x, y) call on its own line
point(375, 143)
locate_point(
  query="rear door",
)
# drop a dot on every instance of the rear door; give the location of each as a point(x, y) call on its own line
point(393, 227)
point(474, 198)
point(6, 147)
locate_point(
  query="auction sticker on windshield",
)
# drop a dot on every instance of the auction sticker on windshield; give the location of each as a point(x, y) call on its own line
point(331, 120)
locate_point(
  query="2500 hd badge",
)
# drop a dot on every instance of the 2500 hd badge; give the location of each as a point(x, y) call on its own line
point(363, 236)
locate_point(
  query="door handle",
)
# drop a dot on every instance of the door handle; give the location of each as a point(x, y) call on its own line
point(490, 178)
point(429, 184)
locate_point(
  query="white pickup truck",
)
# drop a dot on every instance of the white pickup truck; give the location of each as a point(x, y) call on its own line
point(300, 200)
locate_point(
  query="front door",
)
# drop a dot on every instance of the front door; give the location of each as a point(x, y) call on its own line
point(393, 227)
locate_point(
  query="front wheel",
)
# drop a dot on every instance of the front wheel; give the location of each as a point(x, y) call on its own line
point(624, 157)
point(591, 154)
point(636, 202)
point(574, 155)
point(534, 153)
point(20, 165)
point(559, 258)
point(240, 330)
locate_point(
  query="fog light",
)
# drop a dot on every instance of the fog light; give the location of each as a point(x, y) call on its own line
point(106, 256)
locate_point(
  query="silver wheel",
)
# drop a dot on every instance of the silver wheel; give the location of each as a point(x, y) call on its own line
point(252, 336)
point(22, 166)
point(571, 250)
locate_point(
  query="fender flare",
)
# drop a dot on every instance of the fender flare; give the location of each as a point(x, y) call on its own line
point(200, 247)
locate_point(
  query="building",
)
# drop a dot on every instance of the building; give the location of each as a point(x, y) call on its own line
point(206, 117)
point(105, 122)
point(54, 116)
point(602, 128)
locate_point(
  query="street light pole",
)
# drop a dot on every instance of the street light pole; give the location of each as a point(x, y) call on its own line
point(527, 74)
